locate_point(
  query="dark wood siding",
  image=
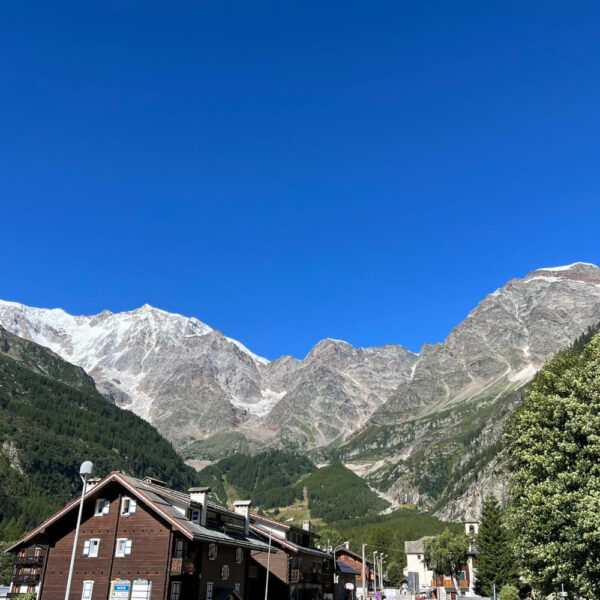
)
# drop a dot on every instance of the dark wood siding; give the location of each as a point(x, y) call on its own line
point(148, 560)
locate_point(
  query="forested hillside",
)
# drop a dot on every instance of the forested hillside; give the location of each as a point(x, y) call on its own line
point(51, 419)
point(277, 479)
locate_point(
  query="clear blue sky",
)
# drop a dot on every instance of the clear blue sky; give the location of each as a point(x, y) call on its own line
point(289, 171)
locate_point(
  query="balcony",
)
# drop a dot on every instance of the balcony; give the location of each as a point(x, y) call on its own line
point(25, 579)
point(183, 566)
point(28, 561)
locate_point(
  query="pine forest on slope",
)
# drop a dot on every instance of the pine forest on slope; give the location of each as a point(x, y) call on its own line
point(51, 417)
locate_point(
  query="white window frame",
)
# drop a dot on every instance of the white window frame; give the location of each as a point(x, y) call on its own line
point(224, 572)
point(128, 506)
point(123, 547)
point(239, 555)
point(210, 588)
point(175, 590)
point(88, 545)
point(212, 551)
point(102, 507)
point(88, 583)
point(237, 587)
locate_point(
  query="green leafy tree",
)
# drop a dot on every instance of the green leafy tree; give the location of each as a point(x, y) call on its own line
point(395, 574)
point(495, 559)
point(509, 592)
point(446, 554)
point(553, 443)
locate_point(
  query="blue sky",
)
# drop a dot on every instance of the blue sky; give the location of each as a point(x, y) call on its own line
point(289, 171)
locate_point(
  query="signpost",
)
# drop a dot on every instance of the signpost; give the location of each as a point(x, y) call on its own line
point(378, 596)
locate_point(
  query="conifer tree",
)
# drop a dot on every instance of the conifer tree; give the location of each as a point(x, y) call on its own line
point(495, 561)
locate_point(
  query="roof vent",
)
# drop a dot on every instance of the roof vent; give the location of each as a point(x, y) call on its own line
point(154, 481)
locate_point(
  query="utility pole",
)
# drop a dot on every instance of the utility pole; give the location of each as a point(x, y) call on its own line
point(268, 567)
point(364, 584)
point(375, 569)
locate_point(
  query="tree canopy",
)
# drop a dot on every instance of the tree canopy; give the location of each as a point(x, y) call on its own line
point(447, 553)
point(495, 560)
point(553, 442)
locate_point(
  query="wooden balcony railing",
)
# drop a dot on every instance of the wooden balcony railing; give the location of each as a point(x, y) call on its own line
point(28, 561)
point(26, 579)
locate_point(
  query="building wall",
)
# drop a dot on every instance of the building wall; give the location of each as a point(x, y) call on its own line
point(415, 563)
point(148, 560)
point(211, 570)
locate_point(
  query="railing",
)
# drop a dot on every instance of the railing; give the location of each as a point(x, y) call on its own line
point(183, 566)
point(28, 579)
point(28, 561)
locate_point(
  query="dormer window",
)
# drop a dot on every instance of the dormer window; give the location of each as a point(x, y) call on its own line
point(195, 516)
point(102, 507)
point(128, 506)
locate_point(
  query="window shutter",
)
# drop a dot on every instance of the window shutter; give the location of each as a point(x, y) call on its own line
point(106, 507)
point(132, 506)
point(128, 547)
point(86, 548)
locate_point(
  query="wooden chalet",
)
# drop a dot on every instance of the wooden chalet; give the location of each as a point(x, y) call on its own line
point(353, 560)
point(140, 540)
point(299, 571)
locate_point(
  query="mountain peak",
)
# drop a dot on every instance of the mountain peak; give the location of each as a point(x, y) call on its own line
point(578, 271)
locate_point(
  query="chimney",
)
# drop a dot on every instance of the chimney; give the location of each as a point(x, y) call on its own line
point(306, 525)
point(347, 545)
point(92, 482)
point(199, 495)
point(242, 507)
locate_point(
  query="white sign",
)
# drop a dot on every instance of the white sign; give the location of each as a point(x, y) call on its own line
point(119, 589)
point(142, 589)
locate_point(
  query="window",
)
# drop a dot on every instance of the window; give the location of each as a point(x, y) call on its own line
point(175, 590)
point(123, 547)
point(237, 588)
point(239, 555)
point(90, 547)
point(419, 557)
point(224, 571)
point(463, 576)
point(180, 548)
point(88, 587)
point(128, 506)
point(209, 590)
point(196, 516)
point(102, 507)
point(212, 552)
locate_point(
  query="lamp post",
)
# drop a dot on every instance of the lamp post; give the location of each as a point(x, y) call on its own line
point(375, 570)
point(86, 470)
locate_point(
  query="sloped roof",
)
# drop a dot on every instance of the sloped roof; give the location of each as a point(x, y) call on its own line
point(164, 502)
point(286, 544)
point(344, 568)
point(343, 550)
point(418, 546)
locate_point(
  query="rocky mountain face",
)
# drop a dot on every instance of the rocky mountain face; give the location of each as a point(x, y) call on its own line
point(419, 428)
point(191, 381)
point(437, 439)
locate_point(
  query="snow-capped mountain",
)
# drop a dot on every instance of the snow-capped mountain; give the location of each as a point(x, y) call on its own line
point(191, 381)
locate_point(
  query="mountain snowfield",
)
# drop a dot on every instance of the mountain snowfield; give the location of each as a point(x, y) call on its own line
point(379, 405)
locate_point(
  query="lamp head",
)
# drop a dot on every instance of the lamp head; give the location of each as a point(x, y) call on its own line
point(86, 469)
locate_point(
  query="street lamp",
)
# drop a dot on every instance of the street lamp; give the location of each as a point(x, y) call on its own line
point(375, 570)
point(85, 471)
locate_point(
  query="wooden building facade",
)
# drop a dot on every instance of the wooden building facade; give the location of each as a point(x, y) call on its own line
point(140, 540)
point(299, 571)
